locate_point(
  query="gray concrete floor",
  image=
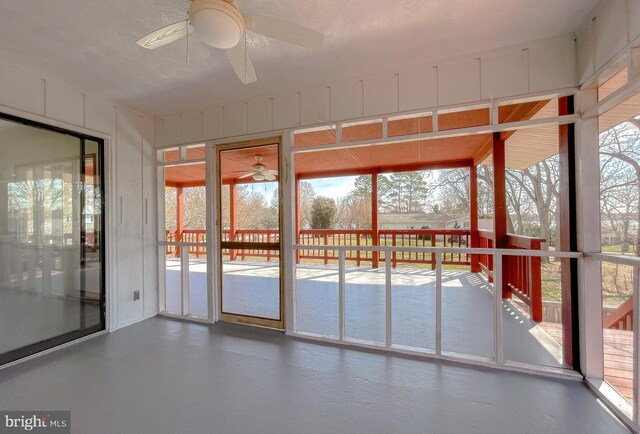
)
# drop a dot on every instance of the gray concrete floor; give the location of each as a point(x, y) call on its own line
point(169, 376)
point(27, 317)
point(467, 307)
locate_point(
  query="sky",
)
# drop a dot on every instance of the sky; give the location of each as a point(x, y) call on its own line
point(330, 187)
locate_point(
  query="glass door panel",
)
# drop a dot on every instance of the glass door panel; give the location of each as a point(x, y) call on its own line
point(249, 231)
point(51, 238)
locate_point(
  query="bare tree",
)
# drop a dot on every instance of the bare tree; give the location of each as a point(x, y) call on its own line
point(621, 182)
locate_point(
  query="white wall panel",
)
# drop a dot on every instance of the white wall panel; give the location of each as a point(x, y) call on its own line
point(129, 216)
point(149, 220)
point(633, 19)
point(63, 103)
point(23, 90)
point(258, 115)
point(586, 49)
point(234, 119)
point(285, 110)
point(346, 100)
point(504, 74)
point(99, 115)
point(459, 82)
point(538, 66)
point(380, 94)
point(191, 127)
point(212, 123)
point(314, 105)
point(557, 57)
point(418, 88)
point(611, 30)
point(158, 138)
point(172, 129)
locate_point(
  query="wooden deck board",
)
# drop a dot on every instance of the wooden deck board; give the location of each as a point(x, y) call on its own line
point(618, 357)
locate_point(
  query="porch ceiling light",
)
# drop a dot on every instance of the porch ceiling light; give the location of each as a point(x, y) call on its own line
point(259, 177)
point(217, 23)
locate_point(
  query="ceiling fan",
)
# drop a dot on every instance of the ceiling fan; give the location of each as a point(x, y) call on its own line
point(220, 24)
point(259, 172)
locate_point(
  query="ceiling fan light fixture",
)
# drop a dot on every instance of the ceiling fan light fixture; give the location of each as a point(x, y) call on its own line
point(259, 176)
point(216, 23)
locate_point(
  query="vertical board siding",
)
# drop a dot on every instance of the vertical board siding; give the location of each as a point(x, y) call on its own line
point(539, 66)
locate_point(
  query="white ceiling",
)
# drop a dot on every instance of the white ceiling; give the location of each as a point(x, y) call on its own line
point(91, 43)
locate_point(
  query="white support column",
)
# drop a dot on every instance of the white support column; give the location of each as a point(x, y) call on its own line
point(212, 234)
point(184, 280)
point(497, 292)
point(588, 220)
point(288, 230)
point(162, 255)
point(438, 303)
point(387, 285)
point(341, 295)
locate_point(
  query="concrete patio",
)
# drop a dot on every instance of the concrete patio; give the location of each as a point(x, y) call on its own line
point(467, 307)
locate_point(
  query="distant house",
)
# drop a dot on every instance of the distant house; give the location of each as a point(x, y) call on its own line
point(431, 221)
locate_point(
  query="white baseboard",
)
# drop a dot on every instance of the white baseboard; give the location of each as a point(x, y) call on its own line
point(115, 327)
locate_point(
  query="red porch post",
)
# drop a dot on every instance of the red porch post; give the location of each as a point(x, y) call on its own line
point(179, 217)
point(298, 219)
point(233, 197)
point(375, 236)
point(473, 216)
point(500, 209)
point(567, 221)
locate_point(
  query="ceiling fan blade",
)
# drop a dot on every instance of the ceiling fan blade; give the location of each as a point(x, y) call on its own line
point(269, 177)
point(165, 35)
point(273, 172)
point(241, 63)
point(246, 175)
point(285, 31)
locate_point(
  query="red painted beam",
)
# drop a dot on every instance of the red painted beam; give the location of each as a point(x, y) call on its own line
point(564, 236)
point(298, 218)
point(500, 210)
point(452, 164)
point(374, 218)
point(179, 216)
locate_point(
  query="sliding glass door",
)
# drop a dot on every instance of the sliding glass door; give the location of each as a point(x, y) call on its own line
point(51, 237)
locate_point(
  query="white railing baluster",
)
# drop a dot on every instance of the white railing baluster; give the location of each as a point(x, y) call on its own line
point(184, 280)
point(387, 285)
point(341, 294)
point(438, 303)
point(497, 289)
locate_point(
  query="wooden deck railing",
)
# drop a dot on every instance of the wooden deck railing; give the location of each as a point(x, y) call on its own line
point(340, 237)
point(620, 318)
point(522, 274)
point(426, 238)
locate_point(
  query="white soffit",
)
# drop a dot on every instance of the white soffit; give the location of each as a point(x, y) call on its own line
point(91, 43)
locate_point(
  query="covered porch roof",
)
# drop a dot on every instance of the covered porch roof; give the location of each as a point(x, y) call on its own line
point(523, 147)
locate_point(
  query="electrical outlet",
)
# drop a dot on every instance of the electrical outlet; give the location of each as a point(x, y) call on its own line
point(136, 295)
